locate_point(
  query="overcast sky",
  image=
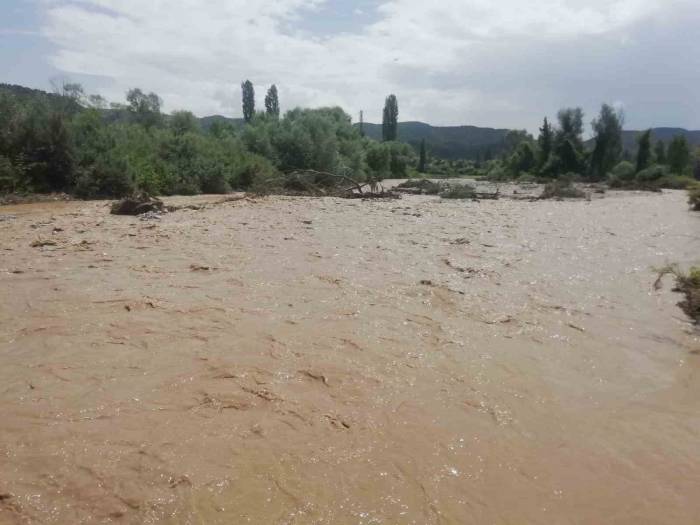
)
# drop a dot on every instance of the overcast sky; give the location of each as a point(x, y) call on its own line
point(503, 63)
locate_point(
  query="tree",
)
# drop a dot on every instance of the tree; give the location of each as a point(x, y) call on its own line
point(390, 121)
point(248, 100)
point(660, 152)
point(144, 108)
point(644, 151)
point(608, 142)
point(571, 127)
point(378, 162)
point(96, 102)
point(678, 155)
point(272, 104)
point(422, 163)
point(545, 142)
point(59, 152)
point(182, 122)
point(513, 139)
point(568, 152)
point(523, 160)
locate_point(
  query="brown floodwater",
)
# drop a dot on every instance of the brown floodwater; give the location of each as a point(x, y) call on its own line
point(324, 361)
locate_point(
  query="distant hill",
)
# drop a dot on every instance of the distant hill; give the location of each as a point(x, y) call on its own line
point(26, 94)
point(447, 142)
point(207, 122)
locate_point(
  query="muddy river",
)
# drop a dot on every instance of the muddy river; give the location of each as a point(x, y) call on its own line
point(324, 361)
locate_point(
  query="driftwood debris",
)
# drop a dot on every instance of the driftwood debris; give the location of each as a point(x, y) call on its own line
point(137, 204)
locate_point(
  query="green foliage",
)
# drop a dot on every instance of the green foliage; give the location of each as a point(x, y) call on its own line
point(644, 150)
point(402, 157)
point(651, 174)
point(515, 138)
point(108, 176)
point(624, 171)
point(182, 122)
point(248, 92)
point(144, 108)
point(272, 103)
point(545, 143)
point(390, 120)
point(570, 127)
point(678, 155)
point(378, 161)
point(608, 142)
point(660, 152)
point(523, 160)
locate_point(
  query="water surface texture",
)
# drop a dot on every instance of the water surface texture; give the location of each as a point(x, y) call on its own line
point(327, 361)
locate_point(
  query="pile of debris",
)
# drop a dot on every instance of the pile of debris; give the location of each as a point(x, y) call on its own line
point(138, 204)
point(562, 189)
point(421, 187)
point(315, 183)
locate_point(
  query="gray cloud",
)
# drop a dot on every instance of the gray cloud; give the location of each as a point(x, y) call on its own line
point(450, 62)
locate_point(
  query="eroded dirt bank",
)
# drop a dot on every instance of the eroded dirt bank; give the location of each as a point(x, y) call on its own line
point(324, 361)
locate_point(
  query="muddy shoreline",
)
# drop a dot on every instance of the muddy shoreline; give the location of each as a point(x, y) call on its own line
point(295, 360)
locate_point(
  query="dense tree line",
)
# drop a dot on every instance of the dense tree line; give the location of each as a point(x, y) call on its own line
point(80, 144)
point(561, 152)
point(70, 141)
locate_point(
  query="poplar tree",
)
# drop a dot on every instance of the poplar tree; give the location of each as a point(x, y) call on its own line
point(272, 103)
point(545, 142)
point(390, 122)
point(248, 100)
point(678, 155)
point(644, 151)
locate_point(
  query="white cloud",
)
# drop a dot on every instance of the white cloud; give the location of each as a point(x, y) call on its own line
point(453, 61)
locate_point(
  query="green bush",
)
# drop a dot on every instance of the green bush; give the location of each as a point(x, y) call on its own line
point(106, 177)
point(624, 171)
point(651, 174)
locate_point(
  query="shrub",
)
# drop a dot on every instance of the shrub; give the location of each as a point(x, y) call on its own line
point(651, 174)
point(624, 171)
point(107, 177)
